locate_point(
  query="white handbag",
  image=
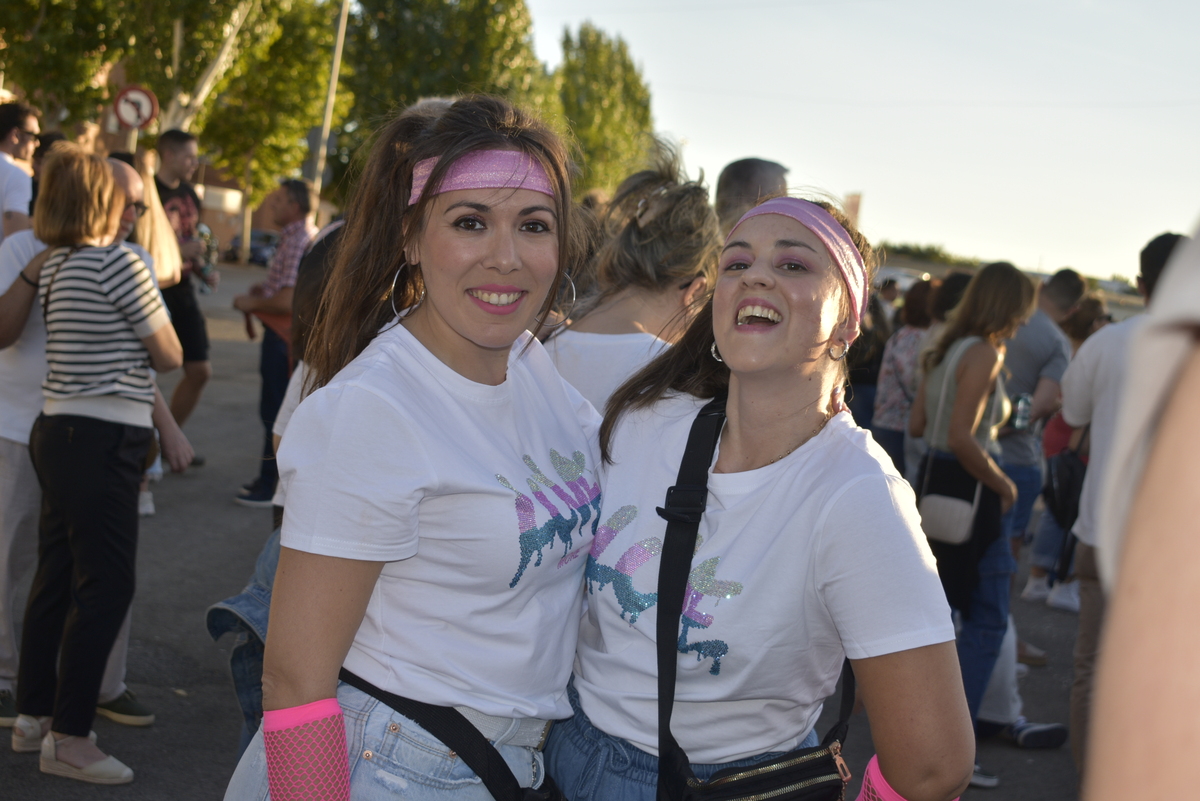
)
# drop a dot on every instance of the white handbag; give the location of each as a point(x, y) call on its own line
point(945, 518)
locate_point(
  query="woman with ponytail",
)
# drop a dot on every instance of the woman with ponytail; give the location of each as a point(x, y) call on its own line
point(809, 551)
point(653, 271)
point(440, 477)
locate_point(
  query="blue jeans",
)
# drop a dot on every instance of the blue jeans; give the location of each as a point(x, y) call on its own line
point(861, 402)
point(589, 765)
point(1047, 543)
point(405, 760)
point(981, 635)
point(1028, 478)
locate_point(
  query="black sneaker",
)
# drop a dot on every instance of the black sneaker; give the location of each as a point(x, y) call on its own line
point(1035, 735)
point(984, 780)
point(257, 497)
point(127, 710)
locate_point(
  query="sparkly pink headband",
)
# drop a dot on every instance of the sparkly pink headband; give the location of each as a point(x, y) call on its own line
point(835, 239)
point(484, 169)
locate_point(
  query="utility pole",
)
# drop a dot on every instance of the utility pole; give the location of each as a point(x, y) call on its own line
point(323, 142)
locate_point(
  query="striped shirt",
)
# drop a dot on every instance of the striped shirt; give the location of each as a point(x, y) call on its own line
point(101, 302)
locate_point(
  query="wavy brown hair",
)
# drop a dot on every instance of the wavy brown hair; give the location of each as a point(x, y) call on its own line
point(369, 261)
point(688, 365)
point(999, 298)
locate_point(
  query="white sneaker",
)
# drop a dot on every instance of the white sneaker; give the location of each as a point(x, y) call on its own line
point(1065, 596)
point(1036, 589)
point(145, 503)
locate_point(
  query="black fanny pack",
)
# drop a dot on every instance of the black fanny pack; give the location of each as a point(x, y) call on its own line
point(456, 733)
point(811, 774)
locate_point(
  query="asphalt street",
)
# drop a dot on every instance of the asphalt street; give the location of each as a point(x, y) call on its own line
point(200, 547)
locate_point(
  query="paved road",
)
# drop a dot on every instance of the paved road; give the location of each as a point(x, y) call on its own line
point(201, 547)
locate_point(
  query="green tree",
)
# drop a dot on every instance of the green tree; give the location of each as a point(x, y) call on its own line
point(186, 50)
point(398, 51)
point(606, 104)
point(60, 52)
point(258, 124)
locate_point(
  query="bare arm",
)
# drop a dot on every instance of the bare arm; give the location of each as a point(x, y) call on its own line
point(317, 606)
point(976, 375)
point(279, 303)
point(175, 446)
point(165, 351)
point(16, 221)
point(919, 720)
point(916, 414)
point(1146, 681)
point(16, 303)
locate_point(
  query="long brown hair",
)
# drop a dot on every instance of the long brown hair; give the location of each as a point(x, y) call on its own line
point(370, 256)
point(996, 301)
point(688, 365)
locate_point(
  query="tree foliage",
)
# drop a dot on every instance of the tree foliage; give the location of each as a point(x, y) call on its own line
point(398, 51)
point(60, 52)
point(606, 104)
point(258, 124)
point(219, 39)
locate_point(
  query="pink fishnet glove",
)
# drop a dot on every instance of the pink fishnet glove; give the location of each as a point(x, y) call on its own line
point(875, 787)
point(306, 752)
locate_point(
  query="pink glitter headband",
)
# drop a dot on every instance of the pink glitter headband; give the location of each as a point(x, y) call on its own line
point(845, 255)
point(484, 169)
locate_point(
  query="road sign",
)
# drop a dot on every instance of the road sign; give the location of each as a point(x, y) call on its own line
point(135, 106)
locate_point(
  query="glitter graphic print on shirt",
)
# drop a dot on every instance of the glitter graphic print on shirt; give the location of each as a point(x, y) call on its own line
point(582, 504)
point(702, 583)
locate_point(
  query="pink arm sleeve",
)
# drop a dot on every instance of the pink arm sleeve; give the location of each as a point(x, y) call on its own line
point(874, 786)
point(306, 752)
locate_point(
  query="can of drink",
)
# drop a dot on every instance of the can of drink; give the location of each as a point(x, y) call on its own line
point(1021, 411)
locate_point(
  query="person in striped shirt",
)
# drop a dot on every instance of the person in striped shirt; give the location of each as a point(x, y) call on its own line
point(106, 328)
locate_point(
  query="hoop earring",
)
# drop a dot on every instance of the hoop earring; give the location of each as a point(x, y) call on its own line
point(392, 297)
point(567, 315)
point(715, 354)
point(842, 355)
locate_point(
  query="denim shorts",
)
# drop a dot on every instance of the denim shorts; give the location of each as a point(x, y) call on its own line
point(589, 765)
point(392, 758)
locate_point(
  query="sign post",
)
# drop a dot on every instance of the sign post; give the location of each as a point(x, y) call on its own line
point(136, 107)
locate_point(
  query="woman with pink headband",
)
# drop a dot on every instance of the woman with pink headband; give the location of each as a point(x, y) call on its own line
point(809, 550)
point(440, 478)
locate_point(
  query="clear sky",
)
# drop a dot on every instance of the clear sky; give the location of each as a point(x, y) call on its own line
point(1051, 133)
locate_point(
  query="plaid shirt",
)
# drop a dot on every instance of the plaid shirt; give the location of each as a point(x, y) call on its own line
point(293, 242)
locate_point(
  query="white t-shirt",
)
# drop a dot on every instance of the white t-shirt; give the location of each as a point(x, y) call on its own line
point(23, 363)
point(16, 187)
point(483, 501)
point(596, 364)
point(1091, 393)
point(799, 563)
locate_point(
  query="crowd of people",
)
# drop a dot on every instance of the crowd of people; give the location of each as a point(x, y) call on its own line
point(498, 421)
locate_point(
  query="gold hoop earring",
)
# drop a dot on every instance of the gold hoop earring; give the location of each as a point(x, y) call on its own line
point(842, 355)
point(715, 354)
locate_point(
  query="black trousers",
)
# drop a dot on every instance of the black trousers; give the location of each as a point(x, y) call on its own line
point(89, 471)
point(276, 369)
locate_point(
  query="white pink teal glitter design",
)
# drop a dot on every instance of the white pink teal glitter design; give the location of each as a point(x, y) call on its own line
point(580, 498)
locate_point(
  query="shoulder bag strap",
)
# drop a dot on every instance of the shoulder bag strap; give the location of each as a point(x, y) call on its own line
point(951, 361)
point(683, 510)
point(456, 732)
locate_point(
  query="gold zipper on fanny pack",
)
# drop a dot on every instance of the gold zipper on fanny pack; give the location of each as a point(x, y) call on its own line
point(833, 750)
